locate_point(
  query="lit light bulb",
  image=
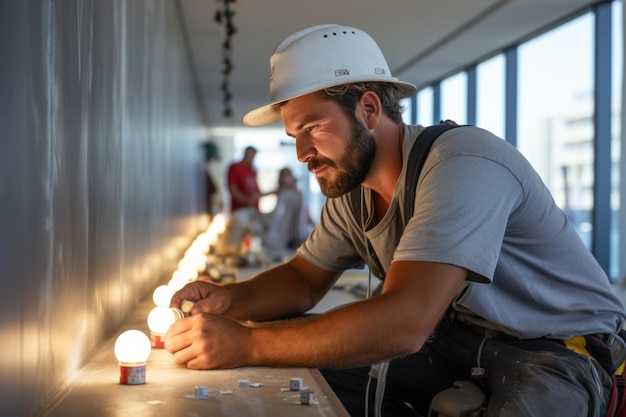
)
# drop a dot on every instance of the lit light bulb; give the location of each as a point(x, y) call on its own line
point(159, 321)
point(194, 259)
point(182, 277)
point(218, 224)
point(211, 236)
point(186, 263)
point(132, 349)
point(202, 243)
point(162, 295)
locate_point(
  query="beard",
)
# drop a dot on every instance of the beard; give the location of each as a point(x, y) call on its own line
point(352, 167)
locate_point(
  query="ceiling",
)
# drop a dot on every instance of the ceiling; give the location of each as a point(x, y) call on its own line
point(422, 40)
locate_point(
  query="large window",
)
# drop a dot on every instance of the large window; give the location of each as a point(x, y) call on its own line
point(555, 120)
point(407, 110)
point(454, 98)
point(616, 133)
point(425, 107)
point(490, 95)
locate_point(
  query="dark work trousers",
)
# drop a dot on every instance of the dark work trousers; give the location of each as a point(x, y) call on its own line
point(522, 378)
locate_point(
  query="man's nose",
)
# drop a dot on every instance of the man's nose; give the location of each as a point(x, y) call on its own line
point(304, 148)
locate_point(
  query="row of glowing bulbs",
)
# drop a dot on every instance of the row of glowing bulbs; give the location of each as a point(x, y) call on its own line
point(132, 347)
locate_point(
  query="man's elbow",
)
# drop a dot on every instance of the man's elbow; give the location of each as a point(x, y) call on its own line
point(408, 339)
point(408, 345)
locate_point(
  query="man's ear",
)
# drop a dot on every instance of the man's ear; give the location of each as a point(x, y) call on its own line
point(370, 108)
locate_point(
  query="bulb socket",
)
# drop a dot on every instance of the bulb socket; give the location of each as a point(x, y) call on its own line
point(132, 373)
point(186, 306)
point(157, 340)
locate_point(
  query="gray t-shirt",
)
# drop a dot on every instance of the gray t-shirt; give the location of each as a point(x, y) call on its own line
point(481, 206)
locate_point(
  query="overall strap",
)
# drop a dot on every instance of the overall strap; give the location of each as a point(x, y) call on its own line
point(417, 157)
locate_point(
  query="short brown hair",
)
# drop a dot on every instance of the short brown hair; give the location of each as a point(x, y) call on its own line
point(347, 95)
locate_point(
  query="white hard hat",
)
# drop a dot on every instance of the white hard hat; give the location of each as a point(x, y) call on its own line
point(319, 57)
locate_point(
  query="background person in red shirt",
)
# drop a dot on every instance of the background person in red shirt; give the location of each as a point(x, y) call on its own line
point(279, 229)
point(242, 185)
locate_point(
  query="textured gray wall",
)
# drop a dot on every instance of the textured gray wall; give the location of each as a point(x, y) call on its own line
point(100, 179)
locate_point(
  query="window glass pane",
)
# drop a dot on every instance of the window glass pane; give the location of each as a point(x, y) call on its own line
point(616, 128)
point(407, 110)
point(555, 125)
point(454, 98)
point(490, 95)
point(425, 106)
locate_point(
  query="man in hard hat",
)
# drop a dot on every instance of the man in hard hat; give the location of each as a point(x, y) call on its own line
point(486, 282)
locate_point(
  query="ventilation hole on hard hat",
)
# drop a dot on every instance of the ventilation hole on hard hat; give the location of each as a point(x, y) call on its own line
point(344, 32)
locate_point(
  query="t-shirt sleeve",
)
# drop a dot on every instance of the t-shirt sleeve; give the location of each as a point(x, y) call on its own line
point(330, 246)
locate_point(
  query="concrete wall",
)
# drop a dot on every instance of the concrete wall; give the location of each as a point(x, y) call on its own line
point(100, 179)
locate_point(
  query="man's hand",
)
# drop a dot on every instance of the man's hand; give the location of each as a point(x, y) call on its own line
point(206, 341)
point(209, 298)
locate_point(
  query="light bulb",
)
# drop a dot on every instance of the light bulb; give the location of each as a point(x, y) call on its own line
point(182, 277)
point(132, 349)
point(202, 242)
point(194, 258)
point(218, 224)
point(163, 295)
point(159, 321)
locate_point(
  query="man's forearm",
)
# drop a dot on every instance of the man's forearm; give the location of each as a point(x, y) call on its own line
point(352, 335)
point(277, 293)
point(395, 323)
